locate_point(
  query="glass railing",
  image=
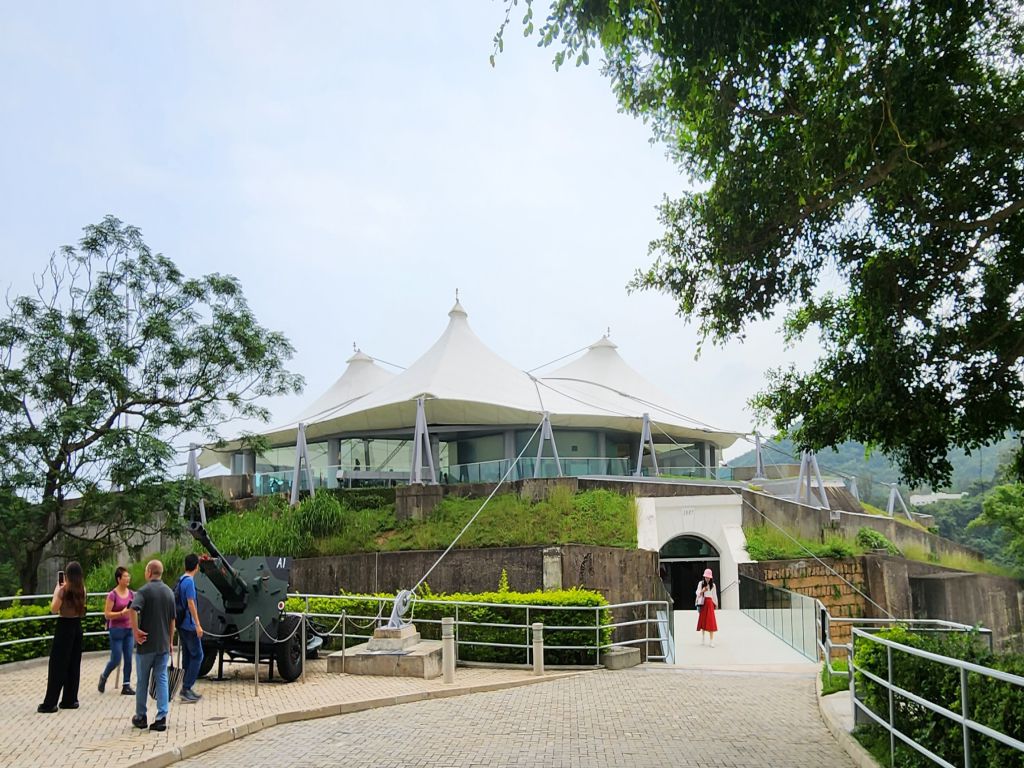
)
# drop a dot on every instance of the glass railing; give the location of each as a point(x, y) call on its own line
point(789, 616)
point(345, 475)
point(695, 473)
point(493, 471)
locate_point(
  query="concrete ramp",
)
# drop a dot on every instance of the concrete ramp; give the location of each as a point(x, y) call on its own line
point(741, 644)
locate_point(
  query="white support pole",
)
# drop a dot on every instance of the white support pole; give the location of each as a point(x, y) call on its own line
point(301, 456)
point(546, 434)
point(894, 496)
point(646, 439)
point(801, 477)
point(759, 459)
point(821, 485)
point(192, 472)
point(421, 447)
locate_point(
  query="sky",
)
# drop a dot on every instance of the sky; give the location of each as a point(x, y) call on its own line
point(353, 164)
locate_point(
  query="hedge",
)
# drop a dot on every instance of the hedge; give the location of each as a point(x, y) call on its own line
point(44, 627)
point(998, 705)
point(511, 608)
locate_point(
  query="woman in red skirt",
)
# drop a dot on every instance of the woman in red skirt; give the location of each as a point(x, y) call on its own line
point(707, 602)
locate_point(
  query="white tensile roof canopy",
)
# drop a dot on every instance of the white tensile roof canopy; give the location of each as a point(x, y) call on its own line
point(465, 383)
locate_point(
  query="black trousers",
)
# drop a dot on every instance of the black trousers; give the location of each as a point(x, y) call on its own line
point(65, 662)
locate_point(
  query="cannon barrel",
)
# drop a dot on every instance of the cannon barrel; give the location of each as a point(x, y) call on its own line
point(220, 572)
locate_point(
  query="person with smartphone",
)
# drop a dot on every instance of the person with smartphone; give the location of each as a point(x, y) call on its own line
point(65, 666)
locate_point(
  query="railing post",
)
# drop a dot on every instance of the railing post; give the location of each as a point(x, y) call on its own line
point(256, 660)
point(527, 634)
point(647, 630)
point(964, 703)
point(538, 648)
point(597, 635)
point(448, 649)
point(302, 649)
point(892, 735)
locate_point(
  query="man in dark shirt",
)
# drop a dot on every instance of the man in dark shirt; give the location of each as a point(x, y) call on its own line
point(152, 620)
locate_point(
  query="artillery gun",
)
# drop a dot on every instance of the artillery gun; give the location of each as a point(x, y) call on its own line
point(231, 594)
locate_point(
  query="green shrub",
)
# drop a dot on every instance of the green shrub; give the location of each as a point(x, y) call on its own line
point(995, 704)
point(509, 608)
point(766, 542)
point(100, 578)
point(869, 538)
point(364, 498)
point(319, 515)
point(835, 682)
point(44, 627)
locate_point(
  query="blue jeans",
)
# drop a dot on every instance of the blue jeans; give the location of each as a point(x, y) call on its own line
point(146, 664)
point(191, 657)
point(121, 644)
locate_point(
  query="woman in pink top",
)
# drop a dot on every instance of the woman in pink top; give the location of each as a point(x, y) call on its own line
point(120, 629)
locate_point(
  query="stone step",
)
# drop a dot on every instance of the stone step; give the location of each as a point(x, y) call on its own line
point(422, 660)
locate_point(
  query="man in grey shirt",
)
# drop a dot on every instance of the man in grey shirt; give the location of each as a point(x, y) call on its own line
point(152, 620)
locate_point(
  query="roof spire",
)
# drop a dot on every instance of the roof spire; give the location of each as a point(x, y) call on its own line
point(354, 347)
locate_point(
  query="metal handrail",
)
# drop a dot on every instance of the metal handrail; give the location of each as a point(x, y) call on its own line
point(962, 718)
point(461, 623)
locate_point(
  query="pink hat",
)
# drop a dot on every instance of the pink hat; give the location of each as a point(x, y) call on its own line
point(708, 574)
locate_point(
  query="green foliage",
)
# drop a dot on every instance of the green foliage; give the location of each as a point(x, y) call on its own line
point(503, 581)
point(835, 682)
point(509, 608)
point(998, 705)
point(862, 165)
point(766, 542)
point(43, 628)
point(593, 517)
point(869, 538)
point(115, 353)
point(1003, 508)
point(100, 578)
point(364, 498)
point(874, 471)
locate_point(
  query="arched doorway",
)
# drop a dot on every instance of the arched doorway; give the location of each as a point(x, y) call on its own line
point(681, 564)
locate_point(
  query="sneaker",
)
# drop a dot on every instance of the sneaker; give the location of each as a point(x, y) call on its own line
point(102, 684)
point(189, 696)
point(127, 690)
point(139, 721)
point(159, 725)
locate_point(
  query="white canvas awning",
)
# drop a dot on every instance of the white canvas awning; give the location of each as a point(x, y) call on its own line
point(466, 383)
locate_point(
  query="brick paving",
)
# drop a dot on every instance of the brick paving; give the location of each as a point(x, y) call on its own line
point(646, 716)
point(100, 733)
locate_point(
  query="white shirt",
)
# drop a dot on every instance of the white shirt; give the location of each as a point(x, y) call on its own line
point(712, 593)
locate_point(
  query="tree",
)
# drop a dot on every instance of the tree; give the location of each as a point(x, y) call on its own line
point(862, 169)
point(115, 354)
point(1003, 508)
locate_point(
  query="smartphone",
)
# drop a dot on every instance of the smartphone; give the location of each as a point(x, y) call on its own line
point(60, 578)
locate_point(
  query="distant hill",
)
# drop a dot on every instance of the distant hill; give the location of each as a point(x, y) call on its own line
point(849, 459)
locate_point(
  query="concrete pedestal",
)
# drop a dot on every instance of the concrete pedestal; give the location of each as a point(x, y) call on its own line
point(391, 653)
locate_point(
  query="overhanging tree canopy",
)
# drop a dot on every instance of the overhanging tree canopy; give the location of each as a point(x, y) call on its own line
point(865, 169)
point(115, 354)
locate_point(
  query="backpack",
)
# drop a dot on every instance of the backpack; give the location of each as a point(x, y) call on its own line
point(179, 604)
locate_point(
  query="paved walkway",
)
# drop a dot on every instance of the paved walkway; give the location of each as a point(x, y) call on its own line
point(648, 716)
point(742, 703)
point(741, 644)
point(100, 733)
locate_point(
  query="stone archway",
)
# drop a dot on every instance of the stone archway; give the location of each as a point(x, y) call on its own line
point(681, 562)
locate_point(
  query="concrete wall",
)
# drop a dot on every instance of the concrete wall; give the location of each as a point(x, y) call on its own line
point(716, 519)
point(905, 589)
point(621, 575)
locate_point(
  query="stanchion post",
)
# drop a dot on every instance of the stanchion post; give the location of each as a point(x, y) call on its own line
point(448, 649)
point(538, 648)
point(303, 649)
point(256, 660)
